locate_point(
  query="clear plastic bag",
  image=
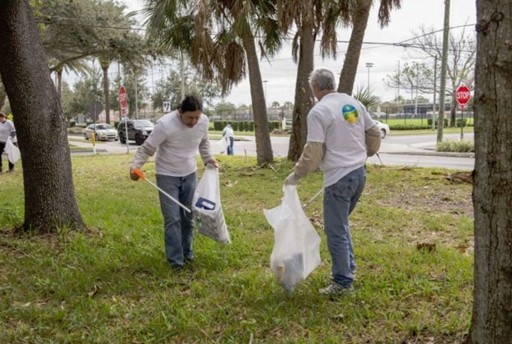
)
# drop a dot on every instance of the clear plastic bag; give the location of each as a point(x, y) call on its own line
point(296, 251)
point(13, 152)
point(220, 146)
point(207, 209)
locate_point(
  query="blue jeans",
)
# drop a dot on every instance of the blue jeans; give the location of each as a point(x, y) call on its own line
point(340, 199)
point(177, 222)
point(230, 145)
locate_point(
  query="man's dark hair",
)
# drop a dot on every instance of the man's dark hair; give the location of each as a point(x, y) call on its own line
point(191, 103)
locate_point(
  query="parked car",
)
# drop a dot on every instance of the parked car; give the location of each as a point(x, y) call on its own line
point(384, 128)
point(102, 131)
point(138, 130)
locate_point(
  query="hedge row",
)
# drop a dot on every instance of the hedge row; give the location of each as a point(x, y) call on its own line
point(427, 126)
point(243, 126)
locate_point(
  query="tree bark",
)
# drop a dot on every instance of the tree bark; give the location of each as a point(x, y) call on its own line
point(349, 70)
point(304, 98)
point(105, 64)
point(264, 154)
point(41, 126)
point(492, 193)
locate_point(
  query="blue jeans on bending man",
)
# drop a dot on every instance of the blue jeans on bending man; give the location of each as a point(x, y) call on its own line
point(340, 200)
point(177, 222)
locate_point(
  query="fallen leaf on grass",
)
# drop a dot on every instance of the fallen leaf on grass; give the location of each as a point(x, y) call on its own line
point(94, 291)
point(424, 246)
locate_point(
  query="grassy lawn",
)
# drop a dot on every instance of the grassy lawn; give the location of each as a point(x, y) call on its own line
point(412, 233)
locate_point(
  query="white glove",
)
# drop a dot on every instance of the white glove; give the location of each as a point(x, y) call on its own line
point(292, 179)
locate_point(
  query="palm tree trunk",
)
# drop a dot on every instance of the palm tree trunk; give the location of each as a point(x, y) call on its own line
point(106, 94)
point(304, 98)
point(50, 201)
point(264, 154)
point(59, 82)
point(349, 71)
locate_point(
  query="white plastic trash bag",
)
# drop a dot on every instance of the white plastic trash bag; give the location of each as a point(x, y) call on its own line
point(296, 250)
point(13, 152)
point(221, 146)
point(207, 209)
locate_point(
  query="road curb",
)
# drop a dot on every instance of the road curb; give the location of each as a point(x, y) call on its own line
point(427, 153)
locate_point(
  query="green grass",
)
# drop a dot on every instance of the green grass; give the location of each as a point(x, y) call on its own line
point(113, 285)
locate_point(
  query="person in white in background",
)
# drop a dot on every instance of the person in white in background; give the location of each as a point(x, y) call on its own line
point(175, 140)
point(341, 135)
point(6, 130)
point(229, 136)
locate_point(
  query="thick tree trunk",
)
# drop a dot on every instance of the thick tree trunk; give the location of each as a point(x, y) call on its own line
point(264, 154)
point(304, 98)
point(492, 193)
point(41, 127)
point(349, 71)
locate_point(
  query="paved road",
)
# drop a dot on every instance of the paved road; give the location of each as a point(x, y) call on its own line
point(413, 150)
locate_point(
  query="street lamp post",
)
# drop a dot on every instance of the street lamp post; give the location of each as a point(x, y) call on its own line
point(369, 65)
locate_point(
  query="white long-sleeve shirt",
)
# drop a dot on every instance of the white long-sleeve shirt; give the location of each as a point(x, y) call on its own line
point(175, 145)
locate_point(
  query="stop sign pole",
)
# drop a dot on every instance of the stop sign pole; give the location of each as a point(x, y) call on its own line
point(462, 95)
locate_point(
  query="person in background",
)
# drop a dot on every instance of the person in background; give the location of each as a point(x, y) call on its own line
point(341, 135)
point(175, 140)
point(229, 135)
point(6, 130)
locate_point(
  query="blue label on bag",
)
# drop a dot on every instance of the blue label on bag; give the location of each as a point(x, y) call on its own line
point(204, 203)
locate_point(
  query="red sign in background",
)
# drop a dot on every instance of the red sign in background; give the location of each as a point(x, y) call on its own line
point(123, 100)
point(463, 95)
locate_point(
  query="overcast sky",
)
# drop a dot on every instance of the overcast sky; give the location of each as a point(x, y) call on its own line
point(280, 72)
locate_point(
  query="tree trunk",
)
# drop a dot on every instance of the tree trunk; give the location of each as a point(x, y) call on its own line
point(41, 127)
point(264, 154)
point(349, 71)
point(304, 98)
point(492, 193)
point(453, 113)
point(106, 94)
point(59, 83)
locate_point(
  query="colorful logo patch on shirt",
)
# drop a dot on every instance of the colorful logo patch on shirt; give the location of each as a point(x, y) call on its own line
point(350, 113)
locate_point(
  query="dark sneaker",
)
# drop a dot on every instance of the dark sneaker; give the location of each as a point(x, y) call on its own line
point(334, 289)
point(177, 268)
point(190, 257)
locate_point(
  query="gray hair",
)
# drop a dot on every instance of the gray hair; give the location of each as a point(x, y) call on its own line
point(322, 78)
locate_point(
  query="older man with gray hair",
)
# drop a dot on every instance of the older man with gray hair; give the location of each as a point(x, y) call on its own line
point(341, 136)
point(6, 130)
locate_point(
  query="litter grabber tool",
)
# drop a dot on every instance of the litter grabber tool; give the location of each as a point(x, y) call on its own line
point(304, 206)
point(141, 175)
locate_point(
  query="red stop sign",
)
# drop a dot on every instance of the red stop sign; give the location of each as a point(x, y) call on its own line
point(123, 100)
point(463, 95)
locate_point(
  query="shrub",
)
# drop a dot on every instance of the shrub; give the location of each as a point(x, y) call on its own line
point(409, 127)
point(456, 146)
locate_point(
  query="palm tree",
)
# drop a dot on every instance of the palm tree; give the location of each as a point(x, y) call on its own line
point(74, 31)
point(219, 37)
point(360, 22)
point(309, 17)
